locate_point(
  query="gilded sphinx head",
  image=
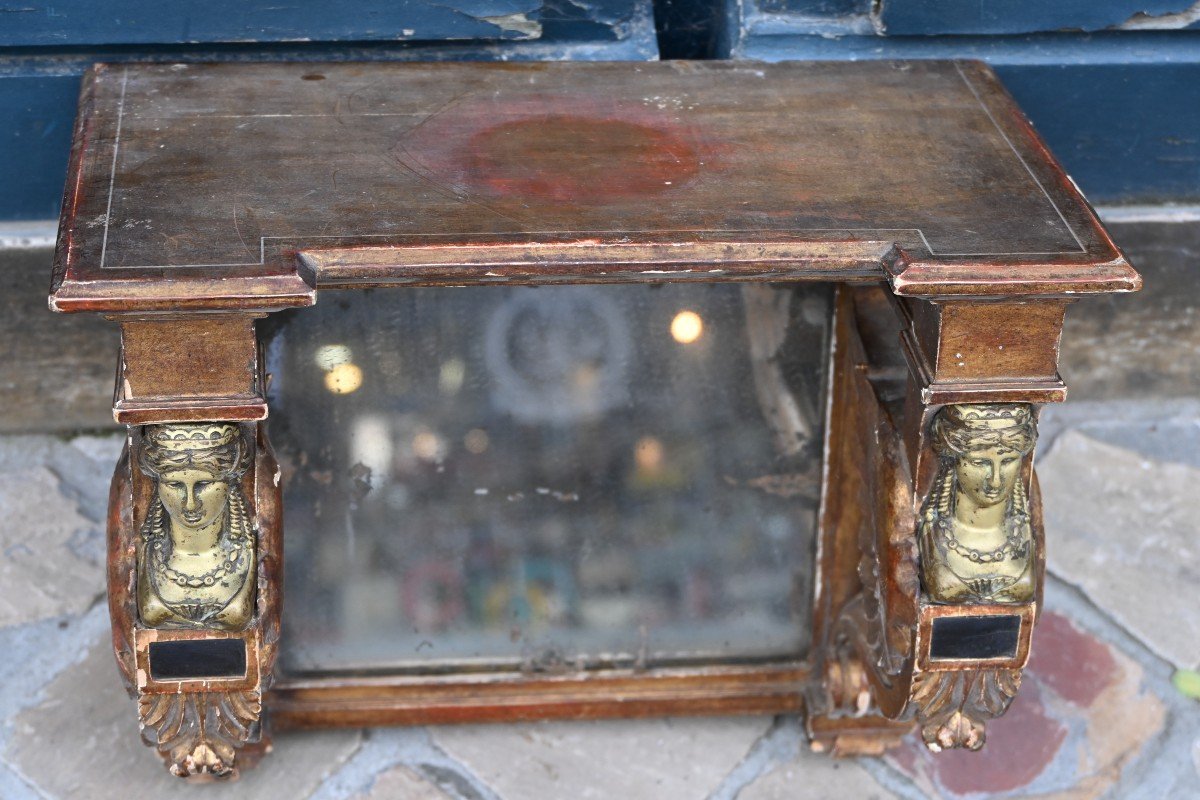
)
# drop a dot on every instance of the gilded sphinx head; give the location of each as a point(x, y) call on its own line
point(194, 467)
point(975, 532)
point(982, 448)
point(197, 557)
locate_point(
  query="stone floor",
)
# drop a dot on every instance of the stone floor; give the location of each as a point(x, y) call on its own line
point(1099, 715)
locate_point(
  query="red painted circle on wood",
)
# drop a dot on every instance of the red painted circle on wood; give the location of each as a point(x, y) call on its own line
point(568, 158)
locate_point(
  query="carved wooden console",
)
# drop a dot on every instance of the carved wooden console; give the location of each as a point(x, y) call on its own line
point(205, 201)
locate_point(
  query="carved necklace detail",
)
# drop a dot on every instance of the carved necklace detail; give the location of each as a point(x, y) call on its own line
point(233, 560)
point(1014, 545)
point(236, 543)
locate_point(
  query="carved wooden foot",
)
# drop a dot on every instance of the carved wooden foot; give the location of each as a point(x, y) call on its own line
point(952, 707)
point(194, 557)
point(200, 733)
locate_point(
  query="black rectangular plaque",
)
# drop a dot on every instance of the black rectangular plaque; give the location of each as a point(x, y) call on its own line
point(961, 638)
point(189, 659)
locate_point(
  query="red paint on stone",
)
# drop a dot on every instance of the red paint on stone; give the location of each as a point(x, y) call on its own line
point(1075, 664)
point(1020, 745)
point(567, 158)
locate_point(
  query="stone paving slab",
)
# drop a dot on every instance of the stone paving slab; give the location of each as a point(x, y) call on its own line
point(53, 494)
point(1123, 528)
point(81, 742)
point(401, 783)
point(409, 752)
point(805, 775)
point(1083, 714)
point(47, 564)
point(681, 759)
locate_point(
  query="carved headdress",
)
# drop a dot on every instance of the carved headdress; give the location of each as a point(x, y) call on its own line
point(214, 446)
point(960, 429)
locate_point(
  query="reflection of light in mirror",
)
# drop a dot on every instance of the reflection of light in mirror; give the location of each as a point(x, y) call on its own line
point(648, 454)
point(371, 446)
point(686, 327)
point(344, 379)
point(450, 377)
point(586, 378)
point(329, 356)
point(476, 441)
point(428, 446)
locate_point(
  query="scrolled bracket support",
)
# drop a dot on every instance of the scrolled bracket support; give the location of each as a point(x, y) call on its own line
point(938, 508)
point(195, 547)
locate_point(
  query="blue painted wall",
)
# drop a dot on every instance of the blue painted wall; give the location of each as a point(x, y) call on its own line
point(1112, 85)
point(115, 22)
point(937, 17)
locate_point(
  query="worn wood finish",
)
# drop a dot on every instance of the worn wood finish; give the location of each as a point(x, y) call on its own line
point(868, 584)
point(963, 351)
point(924, 174)
point(188, 368)
point(355, 701)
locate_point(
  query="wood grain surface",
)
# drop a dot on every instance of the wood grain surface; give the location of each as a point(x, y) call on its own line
point(251, 185)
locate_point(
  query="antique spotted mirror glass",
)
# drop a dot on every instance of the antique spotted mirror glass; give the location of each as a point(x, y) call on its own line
point(546, 476)
point(484, 392)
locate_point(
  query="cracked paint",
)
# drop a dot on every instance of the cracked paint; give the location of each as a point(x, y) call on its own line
point(517, 23)
point(1142, 21)
point(932, 17)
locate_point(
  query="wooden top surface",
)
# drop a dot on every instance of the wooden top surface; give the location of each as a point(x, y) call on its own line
point(249, 185)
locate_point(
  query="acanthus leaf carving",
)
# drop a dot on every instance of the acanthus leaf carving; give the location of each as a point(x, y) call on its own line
point(953, 706)
point(200, 733)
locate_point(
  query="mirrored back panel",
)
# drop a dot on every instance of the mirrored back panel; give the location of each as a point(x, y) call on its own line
point(551, 477)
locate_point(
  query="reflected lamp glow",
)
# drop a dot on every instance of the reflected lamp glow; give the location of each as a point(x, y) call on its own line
point(330, 356)
point(686, 327)
point(428, 446)
point(344, 378)
point(371, 446)
point(648, 455)
point(451, 375)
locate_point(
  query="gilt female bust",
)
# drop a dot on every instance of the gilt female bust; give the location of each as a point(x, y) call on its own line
point(976, 539)
point(196, 564)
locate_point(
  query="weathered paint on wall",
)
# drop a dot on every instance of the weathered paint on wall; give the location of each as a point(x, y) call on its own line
point(964, 17)
point(114, 22)
point(35, 135)
point(932, 17)
point(1121, 109)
